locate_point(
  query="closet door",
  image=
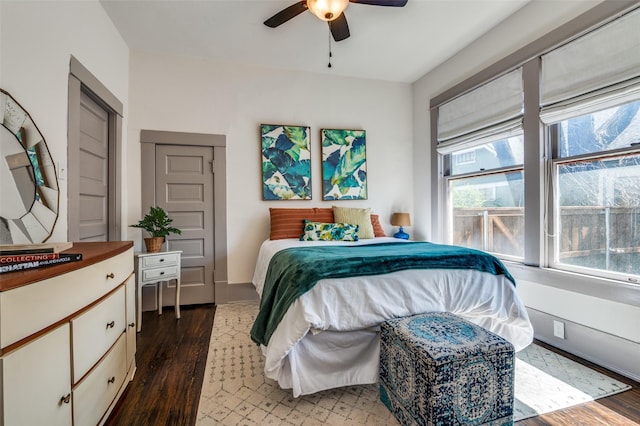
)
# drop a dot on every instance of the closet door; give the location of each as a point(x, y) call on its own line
point(94, 171)
point(184, 188)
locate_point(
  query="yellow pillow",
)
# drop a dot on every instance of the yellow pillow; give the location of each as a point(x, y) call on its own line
point(356, 216)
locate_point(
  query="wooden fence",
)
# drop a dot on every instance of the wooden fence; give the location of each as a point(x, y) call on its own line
point(495, 229)
point(587, 232)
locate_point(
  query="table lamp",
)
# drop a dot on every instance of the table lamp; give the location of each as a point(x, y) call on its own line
point(401, 219)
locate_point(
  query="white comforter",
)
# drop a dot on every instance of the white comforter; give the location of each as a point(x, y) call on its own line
point(358, 305)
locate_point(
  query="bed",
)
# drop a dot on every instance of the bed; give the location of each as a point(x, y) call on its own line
point(328, 336)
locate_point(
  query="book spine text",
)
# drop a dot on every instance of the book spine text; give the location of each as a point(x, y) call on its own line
point(21, 258)
point(23, 266)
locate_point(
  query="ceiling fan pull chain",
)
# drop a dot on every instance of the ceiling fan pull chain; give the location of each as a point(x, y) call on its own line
point(330, 55)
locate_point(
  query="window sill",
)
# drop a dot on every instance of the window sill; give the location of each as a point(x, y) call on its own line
point(603, 288)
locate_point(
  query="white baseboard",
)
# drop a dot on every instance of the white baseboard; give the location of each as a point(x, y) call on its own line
point(609, 351)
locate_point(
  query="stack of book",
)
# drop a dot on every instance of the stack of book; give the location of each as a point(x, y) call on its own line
point(21, 257)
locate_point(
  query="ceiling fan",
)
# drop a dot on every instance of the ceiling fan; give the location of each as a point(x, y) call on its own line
point(331, 11)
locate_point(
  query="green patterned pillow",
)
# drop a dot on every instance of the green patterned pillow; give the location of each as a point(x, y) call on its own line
point(318, 231)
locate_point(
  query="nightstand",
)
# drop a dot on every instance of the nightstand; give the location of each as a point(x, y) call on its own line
point(156, 268)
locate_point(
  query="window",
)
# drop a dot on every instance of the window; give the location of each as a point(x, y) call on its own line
point(556, 183)
point(596, 196)
point(486, 198)
point(480, 136)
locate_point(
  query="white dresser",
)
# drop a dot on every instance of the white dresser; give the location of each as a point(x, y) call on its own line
point(68, 338)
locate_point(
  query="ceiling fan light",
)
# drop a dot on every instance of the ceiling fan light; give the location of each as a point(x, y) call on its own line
point(327, 10)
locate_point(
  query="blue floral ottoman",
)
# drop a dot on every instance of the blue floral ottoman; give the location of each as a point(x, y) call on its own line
point(439, 369)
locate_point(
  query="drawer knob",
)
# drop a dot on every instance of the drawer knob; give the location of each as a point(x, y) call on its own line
point(65, 399)
point(162, 259)
point(111, 380)
point(162, 273)
point(111, 324)
point(111, 275)
point(132, 324)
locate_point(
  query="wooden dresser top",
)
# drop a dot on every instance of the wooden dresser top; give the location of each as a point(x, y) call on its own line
point(93, 252)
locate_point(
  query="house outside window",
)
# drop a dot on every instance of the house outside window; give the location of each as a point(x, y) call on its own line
point(464, 157)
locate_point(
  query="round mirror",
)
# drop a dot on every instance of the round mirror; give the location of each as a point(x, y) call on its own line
point(28, 183)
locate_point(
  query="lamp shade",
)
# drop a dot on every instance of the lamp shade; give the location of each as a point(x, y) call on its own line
point(327, 10)
point(401, 219)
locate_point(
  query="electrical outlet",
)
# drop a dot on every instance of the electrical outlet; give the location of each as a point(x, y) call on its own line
point(558, 329)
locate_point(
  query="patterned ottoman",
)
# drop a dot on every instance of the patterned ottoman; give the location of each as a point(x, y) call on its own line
point(439, 369)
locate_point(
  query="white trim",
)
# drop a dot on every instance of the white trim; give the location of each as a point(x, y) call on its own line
point(602, 288)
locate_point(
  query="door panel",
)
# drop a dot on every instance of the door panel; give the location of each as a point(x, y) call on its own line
point(186, 192)
point(93, 166)
point(184, 188)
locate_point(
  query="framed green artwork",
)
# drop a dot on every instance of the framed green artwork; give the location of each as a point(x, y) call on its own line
point(286, 162)
point(344, 164)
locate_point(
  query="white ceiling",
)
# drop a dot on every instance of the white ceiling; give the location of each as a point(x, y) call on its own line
point(393, 44)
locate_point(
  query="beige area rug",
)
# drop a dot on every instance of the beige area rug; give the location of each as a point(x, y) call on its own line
point(235, 391)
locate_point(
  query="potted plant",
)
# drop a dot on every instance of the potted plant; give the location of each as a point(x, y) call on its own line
point(158, 224)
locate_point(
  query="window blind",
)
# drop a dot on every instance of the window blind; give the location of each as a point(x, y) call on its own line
point(593, 72)
point(486, 111)
point(598, 100)
point(480, 137)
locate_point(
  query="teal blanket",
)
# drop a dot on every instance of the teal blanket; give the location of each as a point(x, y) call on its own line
point(294, 271)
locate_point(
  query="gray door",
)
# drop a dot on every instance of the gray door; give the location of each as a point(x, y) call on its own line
point(94, 171)
point(184, 188)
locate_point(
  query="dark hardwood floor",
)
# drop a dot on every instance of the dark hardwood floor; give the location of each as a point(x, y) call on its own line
point(171, 359)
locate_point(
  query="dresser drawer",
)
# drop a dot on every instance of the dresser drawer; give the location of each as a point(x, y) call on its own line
point(95, 331)
point(159, 274)
point(92, 396)
point(160, 260)
point(30, 308)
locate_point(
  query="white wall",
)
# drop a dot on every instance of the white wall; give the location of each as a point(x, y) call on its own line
point(37, 39)
point(187, 94)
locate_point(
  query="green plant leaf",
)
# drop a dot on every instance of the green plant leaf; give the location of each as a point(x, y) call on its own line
point(157, 223)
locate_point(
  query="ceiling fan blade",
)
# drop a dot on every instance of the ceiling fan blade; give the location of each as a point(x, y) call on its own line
point(285, 14)
point(392, 3)
point(339, 28)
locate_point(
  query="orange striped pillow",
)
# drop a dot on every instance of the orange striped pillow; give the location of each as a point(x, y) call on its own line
point(289, 223)
point(378, 231)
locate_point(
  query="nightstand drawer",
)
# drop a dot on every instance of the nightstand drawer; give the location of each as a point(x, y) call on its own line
point(160, 274)
point(160, 260)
